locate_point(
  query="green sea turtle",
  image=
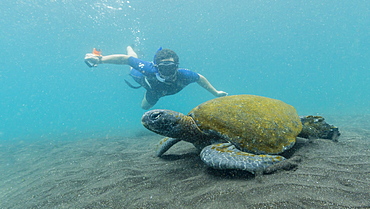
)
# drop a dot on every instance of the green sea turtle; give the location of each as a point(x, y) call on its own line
point(234, 132)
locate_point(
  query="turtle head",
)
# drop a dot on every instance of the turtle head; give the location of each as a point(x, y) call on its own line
point(169, 123)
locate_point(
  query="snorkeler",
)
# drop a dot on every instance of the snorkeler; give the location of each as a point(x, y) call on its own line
point(160, 78)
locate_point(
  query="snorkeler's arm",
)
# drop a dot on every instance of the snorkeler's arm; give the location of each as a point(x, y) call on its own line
point(118, 59)
point(203, 82)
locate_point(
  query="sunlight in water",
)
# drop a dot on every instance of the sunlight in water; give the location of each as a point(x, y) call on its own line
point(114, 12)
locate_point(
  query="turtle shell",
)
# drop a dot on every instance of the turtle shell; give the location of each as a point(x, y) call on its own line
point(253, 124)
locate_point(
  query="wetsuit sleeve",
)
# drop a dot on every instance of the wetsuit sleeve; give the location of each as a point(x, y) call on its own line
point(142, 66)
point(188, 76)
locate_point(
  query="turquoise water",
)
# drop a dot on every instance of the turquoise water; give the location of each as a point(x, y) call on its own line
point(311, 54)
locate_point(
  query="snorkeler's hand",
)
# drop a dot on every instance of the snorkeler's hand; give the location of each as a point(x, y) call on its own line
point(92, 60)
point(221, 94)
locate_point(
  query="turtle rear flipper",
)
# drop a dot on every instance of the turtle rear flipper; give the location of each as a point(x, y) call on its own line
point(165, 144)
point(315, 127)
point(227, 156)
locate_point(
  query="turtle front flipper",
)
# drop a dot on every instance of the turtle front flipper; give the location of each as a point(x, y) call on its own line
point(165, 144)
point(227, 156)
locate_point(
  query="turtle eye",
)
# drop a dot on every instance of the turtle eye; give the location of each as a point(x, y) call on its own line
point(155, 116)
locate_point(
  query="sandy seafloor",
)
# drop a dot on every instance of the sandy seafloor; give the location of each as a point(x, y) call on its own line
point(121, 172)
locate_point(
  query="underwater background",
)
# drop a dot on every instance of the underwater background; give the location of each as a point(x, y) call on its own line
point(313, 55)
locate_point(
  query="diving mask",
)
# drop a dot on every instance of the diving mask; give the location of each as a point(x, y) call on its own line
point(167, 68)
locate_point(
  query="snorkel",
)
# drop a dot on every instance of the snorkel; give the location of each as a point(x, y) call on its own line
point(155, 55)
point(159, 78)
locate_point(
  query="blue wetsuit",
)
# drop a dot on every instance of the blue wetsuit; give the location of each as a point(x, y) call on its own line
point(145, 73)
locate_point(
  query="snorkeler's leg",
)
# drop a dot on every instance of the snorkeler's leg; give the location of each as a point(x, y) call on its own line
point(131, 52)
point(145, 105)
point(149, 100)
